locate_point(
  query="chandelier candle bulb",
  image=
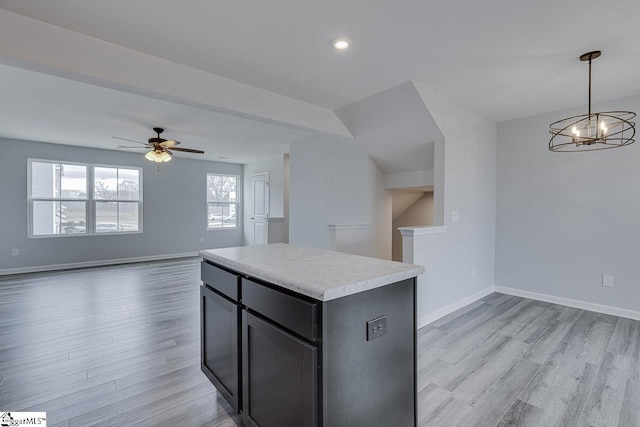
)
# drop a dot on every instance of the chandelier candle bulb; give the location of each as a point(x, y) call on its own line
point(603, 128)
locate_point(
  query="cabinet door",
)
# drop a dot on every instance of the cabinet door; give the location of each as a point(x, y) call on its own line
point(280, 377)
point(220, 344)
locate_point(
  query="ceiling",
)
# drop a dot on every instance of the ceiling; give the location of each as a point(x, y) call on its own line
point(52, 109)
point(504, 59)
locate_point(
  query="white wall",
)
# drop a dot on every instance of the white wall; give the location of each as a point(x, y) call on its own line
point(337, 183)
point(333, 182)
point(410, 179)
point(396, 130)
point(328, 185)
point(278, 197)
point(469, 180)
point(564, 219)
point(418, 213)
point(372, 238)
point(285, 236)
point(174, 209)
point(379, 205)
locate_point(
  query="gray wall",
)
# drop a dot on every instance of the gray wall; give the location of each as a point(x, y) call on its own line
point(564, 219)
point(174, 209)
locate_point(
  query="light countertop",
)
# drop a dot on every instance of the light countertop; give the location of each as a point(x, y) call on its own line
point(320, 274)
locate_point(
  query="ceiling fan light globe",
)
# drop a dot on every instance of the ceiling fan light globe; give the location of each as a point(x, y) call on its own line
point(151, 156)
point(157, 157)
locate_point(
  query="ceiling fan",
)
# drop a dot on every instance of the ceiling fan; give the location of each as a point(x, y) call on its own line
point(161, 149)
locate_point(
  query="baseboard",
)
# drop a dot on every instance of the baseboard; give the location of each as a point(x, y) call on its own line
point(584, 305)
point(440, 313)
point(98, 263)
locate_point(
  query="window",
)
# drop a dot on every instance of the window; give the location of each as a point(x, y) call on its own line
point(116, 194)
point(222, 201)
point(81, 199)
point(58, 198)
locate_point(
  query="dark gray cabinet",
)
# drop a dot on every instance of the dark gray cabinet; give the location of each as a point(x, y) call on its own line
point(280, 376)
point(286, 360)
point(258, 349)
point(220, 342)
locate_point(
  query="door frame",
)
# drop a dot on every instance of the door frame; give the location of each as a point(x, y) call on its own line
point(267, 205)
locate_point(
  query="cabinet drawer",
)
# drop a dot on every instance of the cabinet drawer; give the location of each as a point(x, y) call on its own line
point(221, 280)
point(293, 313)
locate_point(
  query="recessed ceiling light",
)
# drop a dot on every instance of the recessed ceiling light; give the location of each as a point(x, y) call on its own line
point(341, 44)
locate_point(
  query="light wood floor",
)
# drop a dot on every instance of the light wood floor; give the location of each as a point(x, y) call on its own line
point(509, 361)
point(119, 346)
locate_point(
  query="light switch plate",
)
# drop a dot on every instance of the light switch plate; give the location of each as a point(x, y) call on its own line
point(607, 280)
point(455, 216)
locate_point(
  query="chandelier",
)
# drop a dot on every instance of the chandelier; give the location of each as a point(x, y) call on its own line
point(592, 131)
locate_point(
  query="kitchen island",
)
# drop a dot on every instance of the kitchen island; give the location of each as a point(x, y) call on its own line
point(305, 337)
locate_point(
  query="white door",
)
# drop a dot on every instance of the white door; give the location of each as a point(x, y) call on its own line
point(260, 208)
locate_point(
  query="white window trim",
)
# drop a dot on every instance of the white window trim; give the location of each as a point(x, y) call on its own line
point(93, 200)
point(237, 202)
point(90, 222)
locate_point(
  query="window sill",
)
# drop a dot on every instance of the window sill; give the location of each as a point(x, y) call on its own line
point(114, 233)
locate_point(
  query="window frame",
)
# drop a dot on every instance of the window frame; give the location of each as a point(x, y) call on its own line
point(95, 201)
point(236, 203)
point(89, 200)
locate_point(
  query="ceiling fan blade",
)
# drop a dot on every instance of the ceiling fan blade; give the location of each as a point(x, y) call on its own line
point(186, 150)
point(169, 143)
point(127, 146)
point(130, 140)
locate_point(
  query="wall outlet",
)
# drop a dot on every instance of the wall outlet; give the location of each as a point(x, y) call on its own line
point(607, 280)
point(15, 252)
point(376, 328)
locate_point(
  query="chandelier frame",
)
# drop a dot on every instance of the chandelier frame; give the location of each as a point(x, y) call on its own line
point(592, 131)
